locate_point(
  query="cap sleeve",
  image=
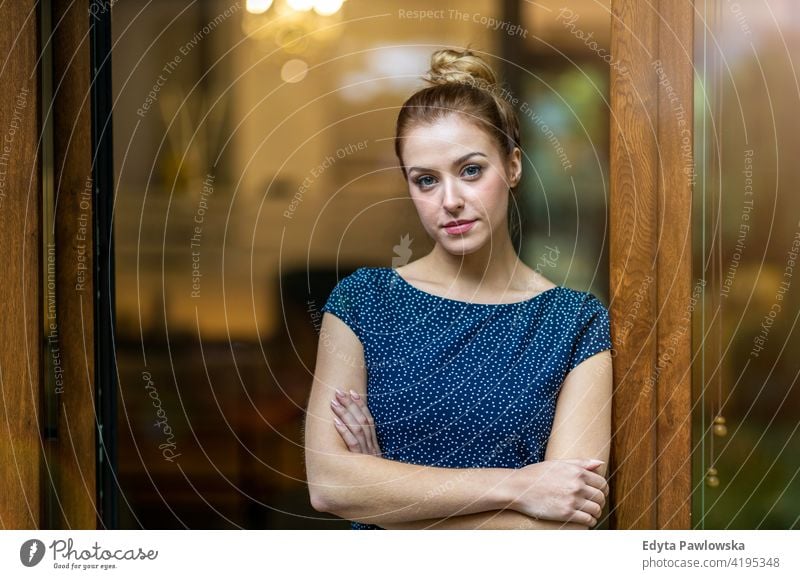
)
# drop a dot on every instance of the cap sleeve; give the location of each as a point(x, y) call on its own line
point(344, 300)
point(593, 334)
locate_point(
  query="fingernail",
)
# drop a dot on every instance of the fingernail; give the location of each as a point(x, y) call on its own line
point(335, 402)
point(339, 392)
point(337, 421)
point(354, 394)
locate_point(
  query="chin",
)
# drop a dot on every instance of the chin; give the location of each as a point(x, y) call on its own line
point(459, 245)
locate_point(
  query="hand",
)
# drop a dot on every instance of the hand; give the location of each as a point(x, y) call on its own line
point(354, 423)
point(559, 490)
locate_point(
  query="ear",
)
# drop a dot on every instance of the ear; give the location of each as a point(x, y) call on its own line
point(514, 167)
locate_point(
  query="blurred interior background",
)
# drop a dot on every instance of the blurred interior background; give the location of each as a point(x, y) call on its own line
point(746, 243)
point(255, 168)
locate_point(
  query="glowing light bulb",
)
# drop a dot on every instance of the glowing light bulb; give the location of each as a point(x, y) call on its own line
point(327, 7)
point(258, 6)
point(300, 5)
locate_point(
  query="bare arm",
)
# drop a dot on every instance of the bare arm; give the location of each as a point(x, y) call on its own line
point(582, 424)
point(368, 488)
point(503, 519)
point(581, 429)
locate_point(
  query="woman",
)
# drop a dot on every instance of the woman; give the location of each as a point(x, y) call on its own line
point(464, 389)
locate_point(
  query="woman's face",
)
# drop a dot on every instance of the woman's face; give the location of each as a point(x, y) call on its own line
point(458, 180)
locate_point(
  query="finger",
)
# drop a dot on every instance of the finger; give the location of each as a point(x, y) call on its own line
point(582, 518)
point(347, 436)
point(370, 421)
point(356, 410)
point(362, 404)
point(590, 507)
point(357, 421)
point(595, 480)
point(344, 415)
point(585, 475)
point(595, 495)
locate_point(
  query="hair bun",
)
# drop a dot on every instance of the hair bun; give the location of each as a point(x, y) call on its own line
point(460, 66)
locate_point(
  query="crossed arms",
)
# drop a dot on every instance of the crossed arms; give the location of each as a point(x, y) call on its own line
point(565, 491)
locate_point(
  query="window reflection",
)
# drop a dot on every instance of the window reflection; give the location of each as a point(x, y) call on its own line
point(255, 168)
point(746, 243)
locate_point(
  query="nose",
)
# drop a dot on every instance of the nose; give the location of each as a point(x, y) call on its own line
point(453, 201)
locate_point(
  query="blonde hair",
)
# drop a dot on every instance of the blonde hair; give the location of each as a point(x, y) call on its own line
point(461, 82)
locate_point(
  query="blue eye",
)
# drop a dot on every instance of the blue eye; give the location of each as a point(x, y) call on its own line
point(475, 173)
point(427, 181)
point(419, 181)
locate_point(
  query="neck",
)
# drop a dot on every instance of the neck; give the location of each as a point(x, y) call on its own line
point(493, 266)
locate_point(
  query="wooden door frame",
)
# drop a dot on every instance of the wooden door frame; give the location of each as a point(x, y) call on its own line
point(57, 371)
point(650, 263)
point(651, 180)
point(21, 344)
point(74, 446)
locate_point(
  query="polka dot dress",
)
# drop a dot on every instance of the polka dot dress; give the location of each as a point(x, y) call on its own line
point(459, 384)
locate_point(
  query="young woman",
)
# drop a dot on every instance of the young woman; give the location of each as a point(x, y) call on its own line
point(464, 389)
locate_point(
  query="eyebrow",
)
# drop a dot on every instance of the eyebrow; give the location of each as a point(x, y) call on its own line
point(455, 163)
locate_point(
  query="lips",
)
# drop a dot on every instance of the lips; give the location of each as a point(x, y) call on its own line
point(459, 226)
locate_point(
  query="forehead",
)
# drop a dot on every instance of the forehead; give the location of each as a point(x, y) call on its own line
point(441, 142)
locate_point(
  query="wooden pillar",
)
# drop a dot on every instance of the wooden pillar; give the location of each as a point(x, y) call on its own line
point(20, 289)
point(74, 450)
point(651, 181)
point(46, 294)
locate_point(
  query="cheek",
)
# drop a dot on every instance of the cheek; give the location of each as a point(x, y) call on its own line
point(426, 209)
point(503, 199)
point(492, 201)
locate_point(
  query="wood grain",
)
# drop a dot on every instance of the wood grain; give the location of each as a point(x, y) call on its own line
point(634, 168)
point(674, 322)
point(75, 449)
point(20, 290)
point(650, 265)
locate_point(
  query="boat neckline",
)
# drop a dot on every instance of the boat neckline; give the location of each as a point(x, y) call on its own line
point(415, 288)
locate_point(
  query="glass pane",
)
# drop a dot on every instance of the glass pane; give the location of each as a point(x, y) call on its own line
point(566, 129)
point(747, 237)
point(255, 168)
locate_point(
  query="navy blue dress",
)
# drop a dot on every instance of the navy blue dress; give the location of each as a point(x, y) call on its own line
point(459, 384)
